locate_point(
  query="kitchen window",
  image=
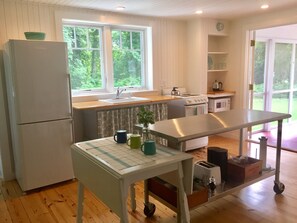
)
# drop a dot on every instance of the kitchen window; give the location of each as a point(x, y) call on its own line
point(102, 58)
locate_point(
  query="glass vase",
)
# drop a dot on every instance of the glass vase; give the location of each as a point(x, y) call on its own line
point(145, 133)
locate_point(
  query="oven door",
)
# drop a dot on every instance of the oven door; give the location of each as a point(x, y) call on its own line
point(191, 110)
point(198, 109)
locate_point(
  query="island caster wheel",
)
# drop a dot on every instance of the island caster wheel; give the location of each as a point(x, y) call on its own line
point(149, 209)
point(278, 188)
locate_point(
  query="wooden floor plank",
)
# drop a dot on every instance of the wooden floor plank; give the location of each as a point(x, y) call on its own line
point(4, 213)
point(57, 206)
point(13, 202)
point(36, 209)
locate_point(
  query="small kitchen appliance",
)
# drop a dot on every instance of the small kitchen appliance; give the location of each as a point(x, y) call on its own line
point(217, 86)
point(175, 91)
point(204, 170)
point(219, 104)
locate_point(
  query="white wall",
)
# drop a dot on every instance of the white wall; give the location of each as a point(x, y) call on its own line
point(197, 48)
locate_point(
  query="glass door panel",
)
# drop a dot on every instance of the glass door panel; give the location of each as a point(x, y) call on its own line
point(280, 103)
point(295, 70)
point(259, 79)
point(294, 107)
point(282, 66)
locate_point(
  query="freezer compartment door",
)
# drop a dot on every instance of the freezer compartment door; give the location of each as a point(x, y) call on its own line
point(45, 155)
point(40, 80)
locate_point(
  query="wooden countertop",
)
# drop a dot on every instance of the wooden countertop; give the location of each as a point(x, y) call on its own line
point(219, 94)
point(101, 104)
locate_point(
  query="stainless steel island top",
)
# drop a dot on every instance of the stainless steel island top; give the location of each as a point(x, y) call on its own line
point(186, 128)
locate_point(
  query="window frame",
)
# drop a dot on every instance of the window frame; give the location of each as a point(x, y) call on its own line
point(106, 57)
point(143, 53)
point(101, 49)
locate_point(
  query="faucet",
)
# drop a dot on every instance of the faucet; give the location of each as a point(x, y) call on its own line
point(119, 91)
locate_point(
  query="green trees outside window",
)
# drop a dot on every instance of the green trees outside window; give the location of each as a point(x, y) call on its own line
point(84, 56)
point(127, 58)
point(88, 61)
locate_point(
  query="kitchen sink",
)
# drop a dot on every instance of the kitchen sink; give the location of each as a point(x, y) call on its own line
point(124, 100)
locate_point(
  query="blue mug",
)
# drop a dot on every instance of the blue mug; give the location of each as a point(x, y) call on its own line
point(120, 136)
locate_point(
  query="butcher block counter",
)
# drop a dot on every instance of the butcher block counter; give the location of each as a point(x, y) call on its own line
point(98, 119)
point(220, 94)
point(105, 105)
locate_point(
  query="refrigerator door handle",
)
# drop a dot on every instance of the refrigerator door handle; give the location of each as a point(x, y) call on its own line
point(72, 132)
point(70, 94)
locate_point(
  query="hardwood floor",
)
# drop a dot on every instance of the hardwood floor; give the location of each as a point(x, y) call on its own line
point(256, 203)
point(289, 137)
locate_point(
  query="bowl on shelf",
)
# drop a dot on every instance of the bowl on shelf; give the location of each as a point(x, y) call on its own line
point(34, 35)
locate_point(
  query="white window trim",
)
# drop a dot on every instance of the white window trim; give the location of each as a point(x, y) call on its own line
point(89, 18)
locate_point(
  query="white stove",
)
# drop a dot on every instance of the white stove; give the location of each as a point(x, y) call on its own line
point(189, 105)
point(190, 99)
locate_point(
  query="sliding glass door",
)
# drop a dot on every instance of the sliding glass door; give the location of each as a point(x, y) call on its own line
point(275, 78)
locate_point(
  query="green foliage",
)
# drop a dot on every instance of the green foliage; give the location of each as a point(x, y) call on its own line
point(282, 66)
point(145, 117)
point(259, 62)
point(127, 58)
point(85, 59)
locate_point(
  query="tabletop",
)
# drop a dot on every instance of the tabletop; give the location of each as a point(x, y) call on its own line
point(120, 159)
point(185, 128)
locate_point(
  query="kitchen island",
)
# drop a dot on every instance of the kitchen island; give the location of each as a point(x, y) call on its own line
point(180, 130)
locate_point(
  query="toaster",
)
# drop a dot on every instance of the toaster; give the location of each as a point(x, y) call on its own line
point(204, 170)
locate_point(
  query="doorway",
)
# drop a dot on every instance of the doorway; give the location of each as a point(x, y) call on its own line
point(275, 76)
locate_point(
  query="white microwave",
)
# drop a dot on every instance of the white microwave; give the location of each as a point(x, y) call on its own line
point(219, 104)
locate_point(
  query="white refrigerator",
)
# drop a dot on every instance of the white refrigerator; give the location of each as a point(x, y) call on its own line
point(39, 101)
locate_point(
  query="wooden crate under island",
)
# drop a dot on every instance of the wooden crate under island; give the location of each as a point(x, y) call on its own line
point(242, 171)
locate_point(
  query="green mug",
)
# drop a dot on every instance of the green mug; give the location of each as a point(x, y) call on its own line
point(134, 141)
point(149, 147)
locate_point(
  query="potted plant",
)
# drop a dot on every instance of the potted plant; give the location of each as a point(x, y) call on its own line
point(145, 117)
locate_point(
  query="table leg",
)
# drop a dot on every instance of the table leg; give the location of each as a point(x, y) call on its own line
point(132, 197)
point(146, 192)
point(183, 208)
point(278, 150)
point(181, 146)
point(80, 201)
point(240, 141)
point(124, 194)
